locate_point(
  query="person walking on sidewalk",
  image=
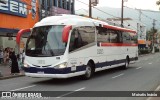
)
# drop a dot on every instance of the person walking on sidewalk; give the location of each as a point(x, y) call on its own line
point(14, 65)
point(6, 56)
point(1, 56)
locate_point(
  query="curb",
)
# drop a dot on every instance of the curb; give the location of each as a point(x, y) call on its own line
point(145, 54)
point(148, 54)
point(8, 77)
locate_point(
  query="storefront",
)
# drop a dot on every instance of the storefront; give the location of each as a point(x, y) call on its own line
point(16, 15)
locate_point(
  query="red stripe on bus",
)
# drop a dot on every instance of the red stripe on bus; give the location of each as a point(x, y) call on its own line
point(118, 28)
point(118, 44)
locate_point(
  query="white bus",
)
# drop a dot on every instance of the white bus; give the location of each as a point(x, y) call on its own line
point(68, 45)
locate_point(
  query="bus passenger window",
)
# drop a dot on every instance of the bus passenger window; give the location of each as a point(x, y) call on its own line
point(76, 41)
point(82, 36)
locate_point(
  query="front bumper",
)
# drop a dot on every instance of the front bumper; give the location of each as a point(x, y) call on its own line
point(36, 75)
point(54, 73)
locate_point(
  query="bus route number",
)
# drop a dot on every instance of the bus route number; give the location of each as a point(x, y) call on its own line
point(100, 51)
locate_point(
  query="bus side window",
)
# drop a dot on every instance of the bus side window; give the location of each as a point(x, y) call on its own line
point(103, 35)
point(126, 37)
point(119, 38)
point(76, 40)
point(82, 36)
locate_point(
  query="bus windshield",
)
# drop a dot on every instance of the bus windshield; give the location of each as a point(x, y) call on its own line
point(46, 41)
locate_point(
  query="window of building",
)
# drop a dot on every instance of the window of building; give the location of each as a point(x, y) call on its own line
point(63, 4)
point(72, 7)
point(68, 5)
point(59, 3)
point(43, 4)
point(81, 36)
point(48, 3)
point(55, 2)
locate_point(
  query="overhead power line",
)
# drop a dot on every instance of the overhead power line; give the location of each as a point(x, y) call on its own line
point(105, 13)
point(142, 13)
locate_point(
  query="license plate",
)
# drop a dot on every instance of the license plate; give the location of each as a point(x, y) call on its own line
point(40, 72)
point(41, 61)
point(73, 68)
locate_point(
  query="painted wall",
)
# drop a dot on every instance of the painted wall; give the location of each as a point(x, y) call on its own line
point(19, 14)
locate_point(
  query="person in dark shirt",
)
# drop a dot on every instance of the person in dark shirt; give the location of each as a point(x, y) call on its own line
point(14, 65)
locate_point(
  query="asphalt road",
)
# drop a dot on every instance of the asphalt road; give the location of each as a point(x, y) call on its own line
point(144, 75)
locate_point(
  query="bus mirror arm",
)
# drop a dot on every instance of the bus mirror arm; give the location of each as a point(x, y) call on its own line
point(65, 33)
point(20, 33)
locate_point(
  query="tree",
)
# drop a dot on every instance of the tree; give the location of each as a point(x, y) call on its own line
point(150, 33)
point(158, 3)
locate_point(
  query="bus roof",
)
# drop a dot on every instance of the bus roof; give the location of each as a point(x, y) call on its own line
point(75, 20)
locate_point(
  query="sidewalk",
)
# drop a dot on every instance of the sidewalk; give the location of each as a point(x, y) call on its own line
point(5, 72)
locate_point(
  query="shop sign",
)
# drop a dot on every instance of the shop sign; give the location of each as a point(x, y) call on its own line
point(13, 7)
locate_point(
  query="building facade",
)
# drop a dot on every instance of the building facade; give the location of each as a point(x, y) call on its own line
point(53, 7)
point(16, 15)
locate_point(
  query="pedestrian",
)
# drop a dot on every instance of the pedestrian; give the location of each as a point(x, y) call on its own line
point(1, 56)
point(14, 65)
point(6, 56)
point(20, 65)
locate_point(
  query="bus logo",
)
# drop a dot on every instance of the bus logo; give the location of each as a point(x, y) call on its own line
point(6, 95)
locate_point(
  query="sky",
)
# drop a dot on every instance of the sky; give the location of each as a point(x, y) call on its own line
point(139, 4)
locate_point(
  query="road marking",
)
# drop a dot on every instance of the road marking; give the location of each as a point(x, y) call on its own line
point(149, 63)
point(139, 68)
point(23, 88)
point(157, 89)
point(70, 92)
point(118, 75)
point(80, 89)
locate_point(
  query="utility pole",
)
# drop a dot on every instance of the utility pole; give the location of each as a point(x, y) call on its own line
point(90, 9)
point(153, 51)
point(92, 3)
point(122, 14)
point(140, 14)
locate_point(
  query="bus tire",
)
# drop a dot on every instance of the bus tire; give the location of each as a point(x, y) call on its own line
point(126, 64)
point(88, 72)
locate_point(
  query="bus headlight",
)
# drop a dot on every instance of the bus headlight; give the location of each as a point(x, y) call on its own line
point(25, 65)
point(62, 65)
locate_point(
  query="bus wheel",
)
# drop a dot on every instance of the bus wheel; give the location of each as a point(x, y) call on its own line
point(126, 64)
point(89, 71)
